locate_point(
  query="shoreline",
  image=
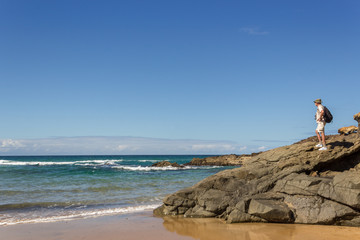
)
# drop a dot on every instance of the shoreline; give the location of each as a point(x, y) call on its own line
point(83, 215)
point(143, 225)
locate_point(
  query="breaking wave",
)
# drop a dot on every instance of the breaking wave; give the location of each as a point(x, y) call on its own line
point(149, 168)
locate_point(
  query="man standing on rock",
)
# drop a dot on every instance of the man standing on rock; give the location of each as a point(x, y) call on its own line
point(320, 130)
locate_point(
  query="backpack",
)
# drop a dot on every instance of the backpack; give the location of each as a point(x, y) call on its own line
point(328, 117)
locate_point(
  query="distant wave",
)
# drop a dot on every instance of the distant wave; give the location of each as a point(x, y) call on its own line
point(80, 215)
point(149, 168)
point(148, 160)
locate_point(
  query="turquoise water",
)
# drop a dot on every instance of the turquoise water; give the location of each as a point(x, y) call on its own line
point(53, 188)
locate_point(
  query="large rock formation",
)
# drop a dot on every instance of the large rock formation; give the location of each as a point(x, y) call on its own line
point(357, 118)
point(347, 130)
point(225, 160)
point(290, 184)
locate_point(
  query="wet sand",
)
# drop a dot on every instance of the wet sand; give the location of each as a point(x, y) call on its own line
point(145, 226)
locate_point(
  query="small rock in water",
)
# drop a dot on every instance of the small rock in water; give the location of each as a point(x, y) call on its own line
point(166, 164)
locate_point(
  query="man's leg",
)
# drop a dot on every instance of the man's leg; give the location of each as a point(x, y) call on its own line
point(323, 138)
point(318, 135)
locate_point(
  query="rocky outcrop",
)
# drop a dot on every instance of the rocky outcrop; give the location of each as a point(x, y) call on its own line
point(347, 130)
point(225, 160)
point(357, 118)
point(166, 164)
point(290, 184)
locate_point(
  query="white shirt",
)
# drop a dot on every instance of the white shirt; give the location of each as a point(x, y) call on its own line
point(320, 108)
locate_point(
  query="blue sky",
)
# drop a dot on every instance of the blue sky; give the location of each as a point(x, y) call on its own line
point(230, 76)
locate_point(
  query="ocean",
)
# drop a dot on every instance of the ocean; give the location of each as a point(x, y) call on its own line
point(57, 188)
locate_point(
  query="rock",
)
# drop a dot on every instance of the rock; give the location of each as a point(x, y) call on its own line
point(214, 200)
point(166, 164)
point(271, 211)
point(226, 160)
point(357, 118)
point(159, 211)
point(199, 212)
point(295, 183)
point(329, 174)
point(344, 188)
point(298, 184)
point(347, 130)
point(316, 210)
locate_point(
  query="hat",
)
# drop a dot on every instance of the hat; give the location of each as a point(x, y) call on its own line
point(317, 101)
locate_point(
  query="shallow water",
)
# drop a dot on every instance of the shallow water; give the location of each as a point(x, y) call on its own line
point(52, 188)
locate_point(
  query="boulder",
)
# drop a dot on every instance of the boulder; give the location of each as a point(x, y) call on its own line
point(317, 210)
point(226, 160)
point(289, 184)
point(347, 130)
point(357, 118)
point(166, 164)
point(271, 211)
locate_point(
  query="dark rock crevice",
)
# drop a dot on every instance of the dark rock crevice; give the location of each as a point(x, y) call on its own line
point(341, 164)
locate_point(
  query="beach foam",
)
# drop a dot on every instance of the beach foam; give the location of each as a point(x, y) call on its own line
point(74, 215)
point(148, 160)
point(169, 168)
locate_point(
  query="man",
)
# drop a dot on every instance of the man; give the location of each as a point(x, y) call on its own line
point(320, 130)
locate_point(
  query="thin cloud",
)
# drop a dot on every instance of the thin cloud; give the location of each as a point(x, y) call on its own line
point(10, 143)
point(243, 148)
point(115, 145)
point(253, 31)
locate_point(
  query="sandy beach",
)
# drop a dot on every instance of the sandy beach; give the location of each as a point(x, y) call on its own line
point(145, 226)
